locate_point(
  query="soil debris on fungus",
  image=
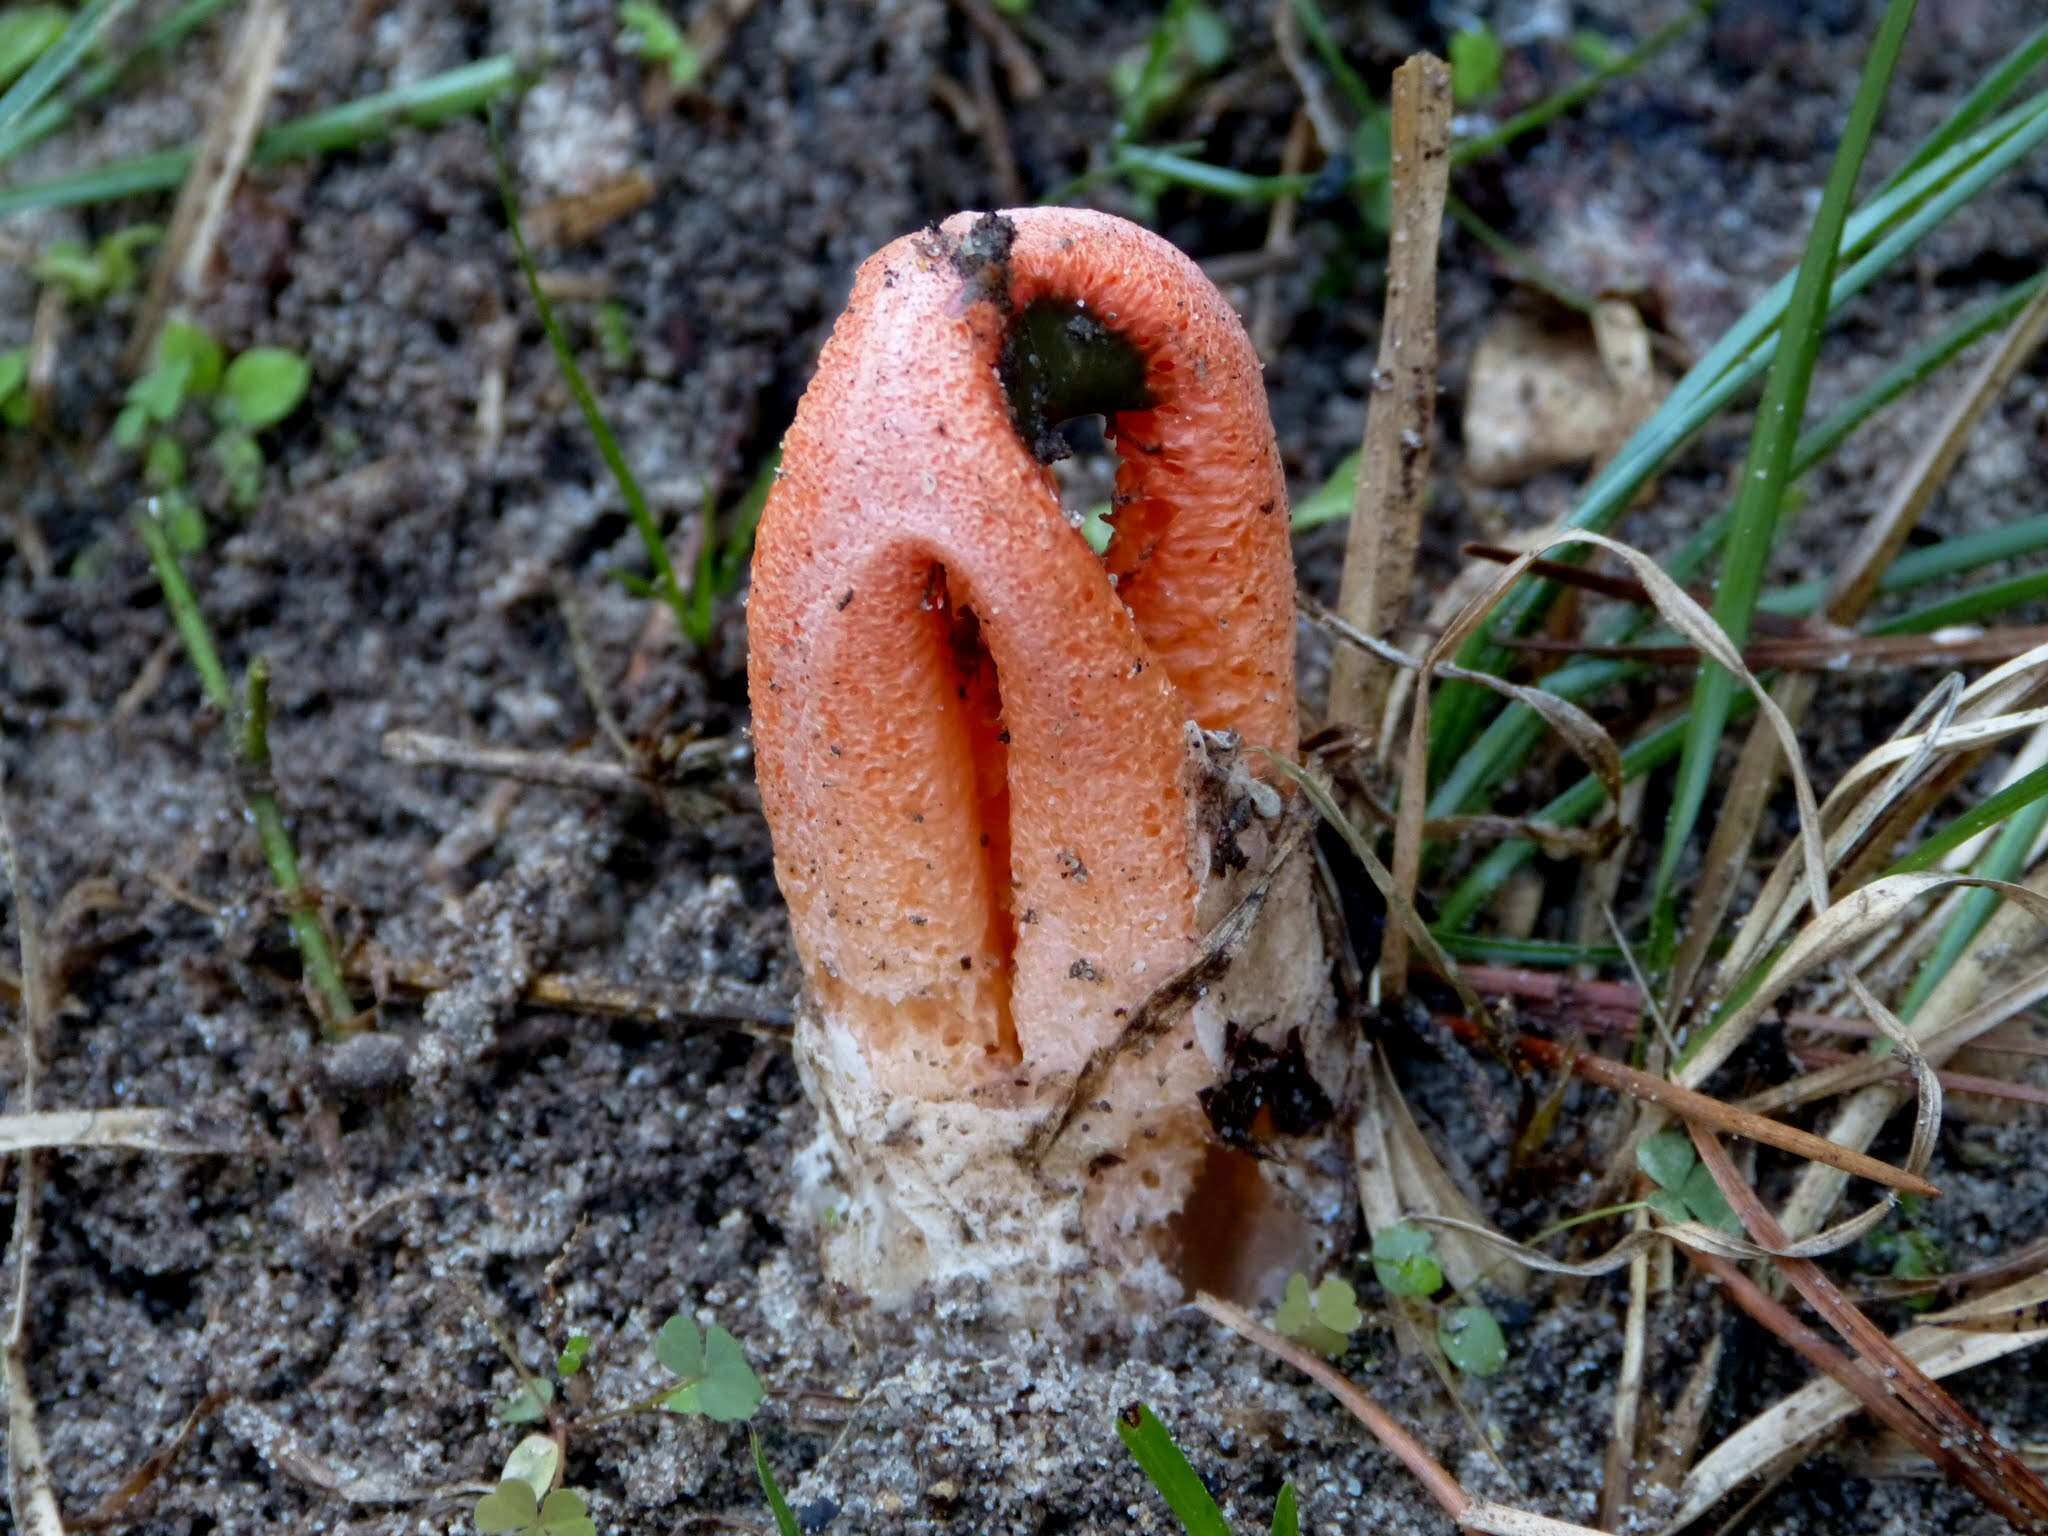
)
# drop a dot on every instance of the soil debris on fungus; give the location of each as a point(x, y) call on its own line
point(282, 1283)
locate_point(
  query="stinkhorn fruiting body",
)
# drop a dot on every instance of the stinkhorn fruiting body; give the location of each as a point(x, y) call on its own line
point(1043, 897)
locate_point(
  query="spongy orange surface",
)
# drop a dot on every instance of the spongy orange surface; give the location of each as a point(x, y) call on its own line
point(969, 740)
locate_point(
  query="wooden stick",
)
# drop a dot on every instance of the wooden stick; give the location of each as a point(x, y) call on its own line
point(1470, 1513)
point(1431, 1473)
point(1394, 460)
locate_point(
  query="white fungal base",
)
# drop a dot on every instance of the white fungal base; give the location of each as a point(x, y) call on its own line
point(1049, 1192)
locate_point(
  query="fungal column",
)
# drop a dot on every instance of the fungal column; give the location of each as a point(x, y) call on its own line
point(1045, 893)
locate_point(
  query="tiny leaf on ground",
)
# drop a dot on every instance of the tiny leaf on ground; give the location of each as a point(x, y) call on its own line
point(1404, 1259)
point(1667, 1158)
point(263, 386)
point(534, 1461)
point(716, 1379)
point(570, 1361)
point(1476, 56)
point(529, 1404)
point(1472, 1341)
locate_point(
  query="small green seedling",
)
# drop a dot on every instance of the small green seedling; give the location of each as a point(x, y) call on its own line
point(648, 30)
point(1323, 1319)
point(573, 1354)
point(258, 389)
point(26, 33)
point(1476, 59)
point(91, 273)
point(713, 1377)
point(1686, 1190)
point(1404, 1260)
point(1471, 1339)
point(16, 406)
point(514, 1510)
point(1909, 1253)
point(614, 328)
point(1189, 43)
point(1184, 1491)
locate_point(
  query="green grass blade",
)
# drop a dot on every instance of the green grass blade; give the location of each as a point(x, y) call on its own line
point(56, 63)
point(785, 1519)
point(1286, 1514)
point(1514, 732)
point(348, 126)
point(2015, 797)
point(1561, 102)
point(2005, 859)
point(1879, 233)
point(1767, 471)
point(1153, 1448)
point(1991, 93)
point(1576, 804)
point(665, 584)
point(1538, 953)
point(1971, 607)
point(52, 114)
point(1316, 28)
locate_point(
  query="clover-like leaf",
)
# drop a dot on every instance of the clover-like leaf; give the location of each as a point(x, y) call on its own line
point(1703, 1197)
point(26, 32)
point(182, 340)
point(1472, 1341)
point(534, 1461)
point(1669, 1205)
point(1337, 1305)
point(1300, 1318)
point(262, 386)
point(1404, 1259)
point(1667, 1157)
point(680, 1348)
point(727, 1390)
point(512, 1507)
point(563, 1513)
point(529, 1404)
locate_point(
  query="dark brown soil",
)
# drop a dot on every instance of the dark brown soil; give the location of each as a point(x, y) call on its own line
point(561, 1173)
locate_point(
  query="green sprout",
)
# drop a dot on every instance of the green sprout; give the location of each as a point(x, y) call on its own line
point(1189, 43)
point(91, 273)
point(1471, 1339)
point(1686, 1190)
point(529, 1405)
point(1323, 1319)
point(1404, 1260)
point(1178, 1483)
point(573, 1354)
point(614, 328)
point(649, 31)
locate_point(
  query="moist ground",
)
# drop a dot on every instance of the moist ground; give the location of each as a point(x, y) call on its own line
point(430, 506)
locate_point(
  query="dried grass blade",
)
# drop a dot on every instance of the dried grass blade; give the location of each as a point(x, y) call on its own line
point(2020, 1308)
point(1958, 1440)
